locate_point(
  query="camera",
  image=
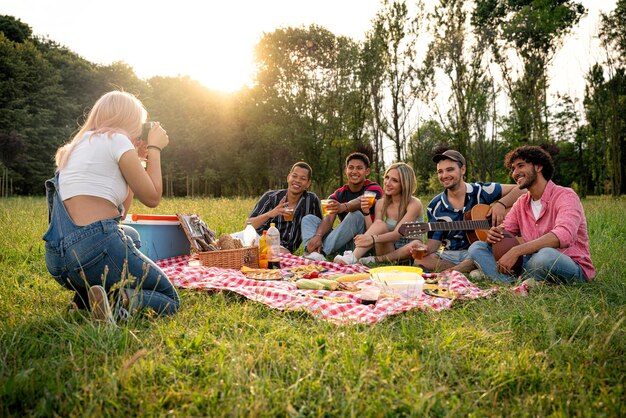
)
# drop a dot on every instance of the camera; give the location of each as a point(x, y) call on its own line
point(145, 130)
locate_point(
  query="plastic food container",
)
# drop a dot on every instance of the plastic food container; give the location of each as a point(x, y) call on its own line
point(400, 281)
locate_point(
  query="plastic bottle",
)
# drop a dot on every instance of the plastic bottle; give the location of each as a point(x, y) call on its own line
point(263, 251)
point(249, 235)
point(273, 244)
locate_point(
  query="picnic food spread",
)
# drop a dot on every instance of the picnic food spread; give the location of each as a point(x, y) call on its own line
point(261, 274)
point(306, 277)
point(360, 304)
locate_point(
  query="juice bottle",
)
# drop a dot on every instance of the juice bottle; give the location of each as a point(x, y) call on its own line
point(273, 245)
point(263, 251)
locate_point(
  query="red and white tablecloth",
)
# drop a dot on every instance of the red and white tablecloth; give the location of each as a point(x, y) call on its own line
point(186, 272)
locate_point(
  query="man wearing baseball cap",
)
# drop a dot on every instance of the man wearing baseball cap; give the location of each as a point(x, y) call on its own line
point(448, 249)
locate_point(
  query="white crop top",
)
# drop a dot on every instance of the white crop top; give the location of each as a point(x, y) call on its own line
point(92, 168)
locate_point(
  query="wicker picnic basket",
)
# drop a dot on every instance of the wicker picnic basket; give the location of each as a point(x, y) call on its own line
point(231, 259)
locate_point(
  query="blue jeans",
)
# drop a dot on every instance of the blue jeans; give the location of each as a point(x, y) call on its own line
point(100, 253)
point(339, 239)
point(546, 264)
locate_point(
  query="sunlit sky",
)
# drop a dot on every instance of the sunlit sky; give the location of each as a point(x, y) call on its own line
point(213, 41)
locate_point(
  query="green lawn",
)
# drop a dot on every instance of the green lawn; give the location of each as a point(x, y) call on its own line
point(561, 351)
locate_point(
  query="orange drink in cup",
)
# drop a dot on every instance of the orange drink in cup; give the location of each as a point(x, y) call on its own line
point(418, 252)
point(371, 198)
point(325, 208)
point(288, 215)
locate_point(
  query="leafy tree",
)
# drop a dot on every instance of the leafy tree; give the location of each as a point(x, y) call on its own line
point(459, 55)
point(532, 30)
point(420, 148)
point(613, 32)
point(309, 100)
point(372, 74)
point(394, 37)
point(613, 37)
point(29, 95)
point(14, 29)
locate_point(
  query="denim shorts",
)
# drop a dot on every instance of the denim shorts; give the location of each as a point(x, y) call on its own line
point(453, 256)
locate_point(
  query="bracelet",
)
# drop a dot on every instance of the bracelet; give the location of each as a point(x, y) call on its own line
point(346, 206)
point(155, 147)
point(497, 201)
point(319, 235)
point(366, 214)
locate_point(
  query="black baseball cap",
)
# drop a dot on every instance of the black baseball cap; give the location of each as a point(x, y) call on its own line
point(450, 155)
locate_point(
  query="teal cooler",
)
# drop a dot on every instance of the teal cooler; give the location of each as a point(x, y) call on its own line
point(160, 238)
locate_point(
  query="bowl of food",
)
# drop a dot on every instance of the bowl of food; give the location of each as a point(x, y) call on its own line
point(399, 281)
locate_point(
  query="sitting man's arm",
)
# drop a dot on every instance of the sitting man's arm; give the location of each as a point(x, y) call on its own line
point(507, 261)
point(315, 243)
point(261, 219)
point(510, 194)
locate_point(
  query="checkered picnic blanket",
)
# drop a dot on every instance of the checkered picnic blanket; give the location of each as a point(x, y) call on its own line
point(186, 272)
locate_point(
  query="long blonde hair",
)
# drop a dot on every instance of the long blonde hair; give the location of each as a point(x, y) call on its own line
point(408, 183)
point(114, 112)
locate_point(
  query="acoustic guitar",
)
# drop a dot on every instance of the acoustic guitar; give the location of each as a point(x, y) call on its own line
point(476, 224)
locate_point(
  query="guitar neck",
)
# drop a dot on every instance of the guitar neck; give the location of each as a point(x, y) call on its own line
point(414, 229)
point(469, 225)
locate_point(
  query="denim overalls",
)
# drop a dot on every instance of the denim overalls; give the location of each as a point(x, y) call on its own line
point(101, 254)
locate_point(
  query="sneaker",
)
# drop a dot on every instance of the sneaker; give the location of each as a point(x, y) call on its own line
point(345, 259)
point(315, 256)
point(477, 274)
point(99, 304)
point(531, 283)
point(368, 260)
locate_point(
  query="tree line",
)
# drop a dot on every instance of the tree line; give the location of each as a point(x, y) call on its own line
point(317, 96)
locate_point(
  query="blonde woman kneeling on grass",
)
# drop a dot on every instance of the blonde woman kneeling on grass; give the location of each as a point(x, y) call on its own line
point(396, 207)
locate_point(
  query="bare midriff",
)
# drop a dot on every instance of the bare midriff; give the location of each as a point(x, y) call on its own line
point(85, 210)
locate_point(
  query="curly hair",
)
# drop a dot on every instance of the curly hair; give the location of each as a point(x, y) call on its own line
point(358, 156)
point(534, 155)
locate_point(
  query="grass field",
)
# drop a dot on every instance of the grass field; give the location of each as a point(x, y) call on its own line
point(561, 351)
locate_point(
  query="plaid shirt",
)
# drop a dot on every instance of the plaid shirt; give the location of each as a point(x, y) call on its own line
point(290, 232)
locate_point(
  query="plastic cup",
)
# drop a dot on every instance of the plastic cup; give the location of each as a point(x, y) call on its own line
point(325, 209)
point(418, 253)
point(371, 198)
point(369, 295)
point(288, 215)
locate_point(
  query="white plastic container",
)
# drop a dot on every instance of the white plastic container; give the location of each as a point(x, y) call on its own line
point(250, 237)
point(400, 281)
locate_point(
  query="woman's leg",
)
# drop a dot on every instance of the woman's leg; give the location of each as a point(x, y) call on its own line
point(151, 288)
point(391, 253)
point(104, 255)
point(378, 227)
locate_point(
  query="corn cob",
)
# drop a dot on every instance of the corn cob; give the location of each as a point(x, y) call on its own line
point(352, 277)
point(309, 284)
point(328, 284)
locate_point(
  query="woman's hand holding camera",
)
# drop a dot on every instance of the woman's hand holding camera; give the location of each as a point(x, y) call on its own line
point(157, 137)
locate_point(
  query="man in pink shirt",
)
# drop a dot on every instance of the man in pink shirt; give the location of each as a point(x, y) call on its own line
point(551, 222)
